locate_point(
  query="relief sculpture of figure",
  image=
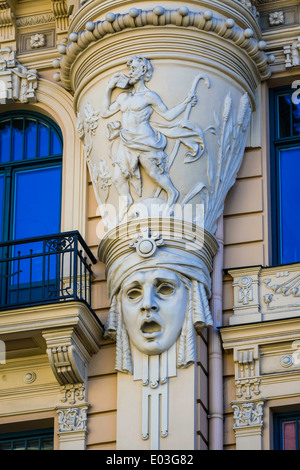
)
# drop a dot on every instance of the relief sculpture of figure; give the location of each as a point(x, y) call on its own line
point(143, 143)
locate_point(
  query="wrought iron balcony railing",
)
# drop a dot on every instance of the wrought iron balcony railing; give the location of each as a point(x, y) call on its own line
point(46, 269)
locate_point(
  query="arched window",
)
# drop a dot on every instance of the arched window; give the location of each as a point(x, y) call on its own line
point(30, 202)
point(30, 176)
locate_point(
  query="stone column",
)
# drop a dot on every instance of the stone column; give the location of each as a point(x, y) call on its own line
point(163, 97)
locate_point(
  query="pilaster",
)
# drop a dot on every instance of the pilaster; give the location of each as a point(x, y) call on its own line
point(171, 117)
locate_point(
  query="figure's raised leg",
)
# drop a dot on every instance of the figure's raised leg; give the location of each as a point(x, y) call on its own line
point(162, 179)
point(125, 199)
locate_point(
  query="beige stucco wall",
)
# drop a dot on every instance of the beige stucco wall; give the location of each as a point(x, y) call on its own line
point(246, 240)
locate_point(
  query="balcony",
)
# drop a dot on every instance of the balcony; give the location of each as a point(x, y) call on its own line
point(45, 303)
point(47, 269)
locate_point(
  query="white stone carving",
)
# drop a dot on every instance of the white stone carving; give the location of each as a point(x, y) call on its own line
point(247, 380)
point(248, 414)
point(72, 419)
point(68, 356)
point(246, 290)
point(247, 388)
point(292, 57)
point(273, 293)
point(287, 360)
point(17, 83)
point(29, 377)
point(87, 126)
point(35, 20)
point(154, 304)
point(248, 4)
point(142, 143)
point(72, 393)
point(37, 40)
point(99, 171)
point(276, 18)
point(158, 268)
point(289, 287)
point(231, 133)
point(154, 372)
point(146, 290)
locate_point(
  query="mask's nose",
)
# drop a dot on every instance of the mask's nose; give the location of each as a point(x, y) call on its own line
point(149, 304)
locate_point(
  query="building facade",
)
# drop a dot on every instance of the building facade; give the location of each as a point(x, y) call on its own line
point(149, 257)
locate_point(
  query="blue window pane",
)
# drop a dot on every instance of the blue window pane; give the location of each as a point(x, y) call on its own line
point(296, 119)
point(290, 224)
point(5, 141)
point(37, 202)
point(30, 138)
point(1, 203)
point(17, 139)
point(55, 145)
point(37, 212)
point(43, 140)
point(284, 118)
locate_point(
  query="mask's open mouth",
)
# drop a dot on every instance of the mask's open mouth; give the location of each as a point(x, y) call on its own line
point(151, 328)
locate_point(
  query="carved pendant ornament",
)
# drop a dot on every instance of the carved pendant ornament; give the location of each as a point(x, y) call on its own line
point(159, 250)
point(17, 83)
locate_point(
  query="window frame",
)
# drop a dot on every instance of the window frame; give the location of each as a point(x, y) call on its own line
point(279, 418)
point(277, 144)
point(10, 168)
point(26, 435)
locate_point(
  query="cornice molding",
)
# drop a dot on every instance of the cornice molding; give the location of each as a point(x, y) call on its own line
point(97, 9)
point(274, 331)
point(160, 17)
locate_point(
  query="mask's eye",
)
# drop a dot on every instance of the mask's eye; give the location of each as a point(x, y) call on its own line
point(134, 294)
point(165, 289)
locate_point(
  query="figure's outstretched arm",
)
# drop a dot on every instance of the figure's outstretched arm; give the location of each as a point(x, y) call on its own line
point(173, 113)
point(107, 107)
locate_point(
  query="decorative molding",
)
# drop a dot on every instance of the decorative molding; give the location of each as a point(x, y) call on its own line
point(73, 393)
point(72, 419)
point(246, 290)
point(291, 52)
point(37, 40)
point(287, 360)
point(248, 414)
point(99, 172)
point(251, 7)
point(134, 147)
point(159, 16)
point(276, 18)
point(28, 42)
point(62, 13)
point(247, 372)
point(29, 377)
point(154, 372)
point(67, 355)
point(273, 293)
point(289, 288)
point(7, 22)
point(34, 20)
point(17, 83)
point(86, 127)
point(131, 154)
